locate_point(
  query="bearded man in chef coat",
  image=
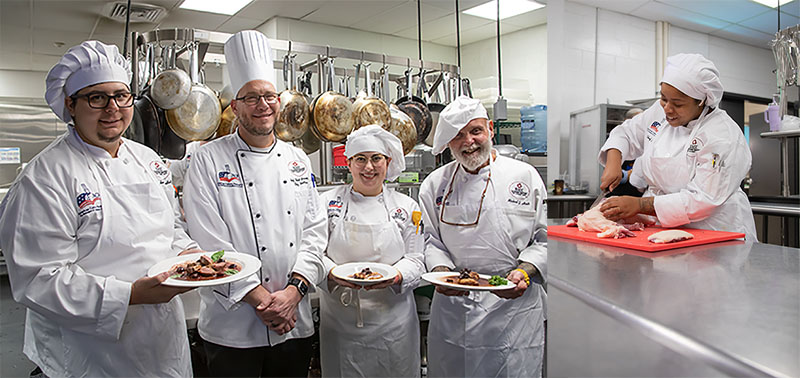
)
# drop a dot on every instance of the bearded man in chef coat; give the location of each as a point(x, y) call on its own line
point(486, 213)
point(82, 224)
point(252, 193)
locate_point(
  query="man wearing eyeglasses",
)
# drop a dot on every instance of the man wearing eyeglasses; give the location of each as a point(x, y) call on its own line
point(81, 226)
point(252, 193)
point(485, 213)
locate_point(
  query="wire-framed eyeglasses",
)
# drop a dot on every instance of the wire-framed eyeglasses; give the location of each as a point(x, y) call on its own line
point(269, 98)
point(99, 100)
point(361, 160)
point(450, 191)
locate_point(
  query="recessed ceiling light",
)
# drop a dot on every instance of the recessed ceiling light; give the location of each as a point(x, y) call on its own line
point(773, 3)
point(508, 8)
point(228, 7)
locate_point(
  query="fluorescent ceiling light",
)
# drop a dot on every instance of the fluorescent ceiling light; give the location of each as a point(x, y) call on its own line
point(508, 8)
point(228, 7)
point(773, 3)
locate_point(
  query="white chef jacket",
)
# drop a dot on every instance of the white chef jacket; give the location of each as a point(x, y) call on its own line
point(77, 228)
point(388, 343)
point(262, 202)
point(694, 171)
point(180, 166)
point(481, 334)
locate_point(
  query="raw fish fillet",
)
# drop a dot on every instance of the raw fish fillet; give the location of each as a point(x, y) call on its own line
point(669, 236)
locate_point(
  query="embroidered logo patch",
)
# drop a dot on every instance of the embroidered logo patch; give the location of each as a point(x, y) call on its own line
point(519, 190)
point(161, 171)
point(226, 178)
point(298, 168)
point(400, 214)
point(88, 201)
point(695, 146)
point(335, 207)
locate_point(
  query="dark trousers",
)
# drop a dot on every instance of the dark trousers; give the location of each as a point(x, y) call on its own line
point(288, 359)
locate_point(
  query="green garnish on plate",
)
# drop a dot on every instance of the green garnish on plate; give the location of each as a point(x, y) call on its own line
point(497, 281)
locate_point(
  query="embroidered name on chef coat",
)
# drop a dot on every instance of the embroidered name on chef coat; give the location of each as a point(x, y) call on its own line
point(653, 130)
point(519, 192)
point(400, 215)
point(228, 179)
point(335, 207)
point(161, 171)
point(695, 146)
point(88, 201)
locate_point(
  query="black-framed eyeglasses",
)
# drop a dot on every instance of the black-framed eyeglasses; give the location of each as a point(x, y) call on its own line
point(361, 160)
point(269, 98)
point(450, 191)
point(100, 100)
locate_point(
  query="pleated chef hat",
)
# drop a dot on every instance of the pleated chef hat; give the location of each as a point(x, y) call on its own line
point(374, 138)
point(248, 57)
point(90, 63)
point(695, 76)
point(453, 118)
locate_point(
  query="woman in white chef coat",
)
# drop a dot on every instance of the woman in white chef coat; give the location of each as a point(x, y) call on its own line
point(368, 222)
point(692, 156)
point(82, 224)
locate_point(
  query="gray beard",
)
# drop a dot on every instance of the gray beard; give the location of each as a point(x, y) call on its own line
point(256, 131)
point(472, 163)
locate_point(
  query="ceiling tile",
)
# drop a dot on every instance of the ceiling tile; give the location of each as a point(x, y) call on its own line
point(744, 35)
point(767, 22)
point(399, 18)
point(450, 5)
point(235, 24)
point(657, 11)
point(527, 20)
point(484, 32)
point(15, 12)
point(347, 13)
point(732, 11)
point(180, 18)
point(792, 9)
point(266, 9)
point(621, 6)
point(67, 15)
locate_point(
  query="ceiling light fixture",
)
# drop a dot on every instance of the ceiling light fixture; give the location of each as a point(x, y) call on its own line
point(508, 8)
point(772, 3)
point(228, 7)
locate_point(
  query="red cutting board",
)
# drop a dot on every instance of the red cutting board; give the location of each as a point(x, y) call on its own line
point(640, 241)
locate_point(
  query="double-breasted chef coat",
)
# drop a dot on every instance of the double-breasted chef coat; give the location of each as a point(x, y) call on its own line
point(262, 202)
point(694, 171)
point(371, 229)
point(482, 334)
point(77, 228)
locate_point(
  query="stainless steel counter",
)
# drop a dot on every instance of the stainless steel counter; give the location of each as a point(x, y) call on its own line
point(722, 309)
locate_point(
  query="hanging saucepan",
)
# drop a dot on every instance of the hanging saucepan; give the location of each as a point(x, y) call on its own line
point(198, 117)
point(135, 130)
point(172, 86)
point(226, 96)
point(416, 108)
point(152, 128)
point(403, 128)
point(172, 146)
point(226, 122)
point(309, 142)
point(436, 107)
point(332, 113)
point(370, 110)
point(293, 118)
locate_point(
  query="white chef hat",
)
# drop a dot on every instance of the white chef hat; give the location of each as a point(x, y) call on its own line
point(374, 138)
point(453, 118)
point(90, 63)
point(695, 76)
point(248, 57)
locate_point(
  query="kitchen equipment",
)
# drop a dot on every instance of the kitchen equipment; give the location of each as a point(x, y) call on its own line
point(402, 126)
point(773, 116)
point(293, 118)
point(416, 108)
point(370, 110)
point(640, 242)
point(172, 86)
point(226, 122)
point(198, 117)
point(226, 95)
point(308, 142)
point(600, 198)
point(332, 112)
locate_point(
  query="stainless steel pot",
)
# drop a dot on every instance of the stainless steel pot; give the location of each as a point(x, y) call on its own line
point(332, 113)
point(370, 110)
point(172, 86)
point(198, 117)
point(293, 117)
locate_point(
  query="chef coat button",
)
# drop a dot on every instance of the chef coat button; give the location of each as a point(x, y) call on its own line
point(289, 212)
point(250, 184)
point(258, 215)
point(263, 249)
point(284, 181)
point(291, 244)
point(266, 279)
point(279, 155)
point(242, 154)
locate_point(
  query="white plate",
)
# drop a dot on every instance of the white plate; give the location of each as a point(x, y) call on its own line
point(250, 265)
point(344, 271)
point(436, 279)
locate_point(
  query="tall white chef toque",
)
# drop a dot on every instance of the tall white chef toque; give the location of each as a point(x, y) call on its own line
point(90, 63)
point(453, 118)
point(373, 138)
point(248, 57)
point(695, 76)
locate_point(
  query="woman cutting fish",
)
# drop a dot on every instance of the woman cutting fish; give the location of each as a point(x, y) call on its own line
point(691, 155)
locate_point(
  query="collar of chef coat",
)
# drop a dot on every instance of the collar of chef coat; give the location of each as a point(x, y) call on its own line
point(93, 151)
point(244, 146)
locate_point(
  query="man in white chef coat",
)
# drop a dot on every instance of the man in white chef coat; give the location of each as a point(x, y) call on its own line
point(486, 213)
point(252, 193)
point(82, 224)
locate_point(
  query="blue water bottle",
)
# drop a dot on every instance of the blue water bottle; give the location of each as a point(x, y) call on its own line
point(527, 124)
point(540, 128)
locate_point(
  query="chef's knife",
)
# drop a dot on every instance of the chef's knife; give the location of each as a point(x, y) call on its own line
point(600, 198)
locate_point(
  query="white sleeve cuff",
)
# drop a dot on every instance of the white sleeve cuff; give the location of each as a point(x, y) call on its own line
point(114, 307)
point(670, 210)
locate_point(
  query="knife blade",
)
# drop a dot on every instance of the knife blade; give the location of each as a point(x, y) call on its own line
point(600, 198)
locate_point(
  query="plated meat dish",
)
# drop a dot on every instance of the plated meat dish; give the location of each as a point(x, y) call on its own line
point(594, 221)
point(366, 274)
point(466, 277)
point(669, 236)
point(205, 268)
